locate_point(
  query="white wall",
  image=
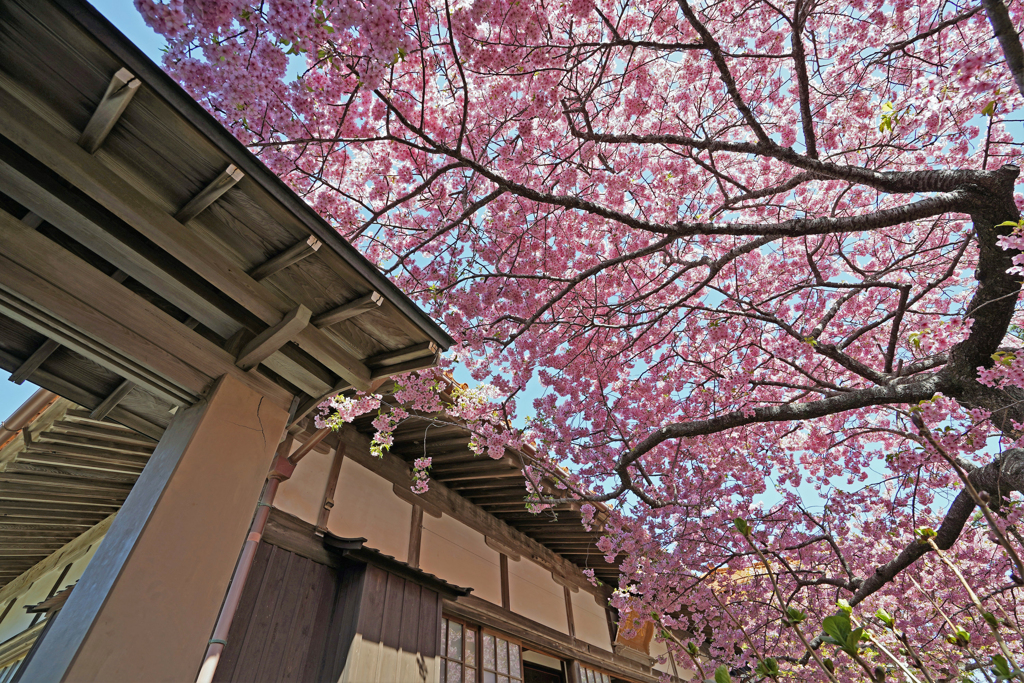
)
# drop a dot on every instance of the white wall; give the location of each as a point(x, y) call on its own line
point(459, 555)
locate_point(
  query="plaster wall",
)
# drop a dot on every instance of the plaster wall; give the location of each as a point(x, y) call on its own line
point(365, 505)
point(459, 555)
point(590, 620)
point(535, 595)
point(303, 493)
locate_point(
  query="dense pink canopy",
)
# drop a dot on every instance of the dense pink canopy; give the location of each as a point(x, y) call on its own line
point(741, 245)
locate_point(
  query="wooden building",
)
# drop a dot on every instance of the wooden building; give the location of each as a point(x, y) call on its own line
point(174, 514)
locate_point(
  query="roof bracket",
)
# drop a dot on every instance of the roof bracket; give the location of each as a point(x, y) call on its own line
point(111, 401)
point(122, 88)
point(353, 308)
point(33, 362)
point(273, 338)
point(289, 256)
point(408, 366)
point(209, 194)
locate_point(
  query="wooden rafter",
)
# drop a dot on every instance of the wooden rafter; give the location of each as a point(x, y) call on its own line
point(120, 91)
point(273, 338)
point(209, 194)
point(33, 362)
point(288, 257)
point(111, 401)
point(348, 310)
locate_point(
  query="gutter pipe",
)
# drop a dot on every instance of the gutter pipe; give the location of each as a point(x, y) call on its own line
point(25, 415)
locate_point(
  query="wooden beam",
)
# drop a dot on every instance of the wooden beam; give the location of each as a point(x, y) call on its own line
point(209, 194)
point(32, 220)
point(68, 300)
point(402, 355)
point(414, 499)
point(289, 256)
point(369, 302)
point(33, 362)
point(40, 139)
point(273, 338)
point(408, 366)
point(111, 401)
point(120, 91)
point(504, 549)
point(332, 484)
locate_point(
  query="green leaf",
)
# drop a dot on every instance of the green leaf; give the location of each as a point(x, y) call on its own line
point(795, 616)
point(829, 664)
point(1001, 668)
point(990, 109)
point(742, 526)
point(838, 628)
point(885, 618)
point(844, 605)
point(722, 675)
point(853, 641)
point(990, 619)
point(767, 667)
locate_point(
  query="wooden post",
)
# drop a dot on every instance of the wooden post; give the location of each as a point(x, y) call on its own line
point(149, 598)
point(506, 598)
point(568, 611)
point(332, 485)
point(415, 536)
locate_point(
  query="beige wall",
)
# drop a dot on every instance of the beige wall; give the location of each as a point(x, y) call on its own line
point(303, 493)
point(458, 554)
point(590, 620)
point(153, 622)
point(535, 595)
point(365, 505)
point(657, 650)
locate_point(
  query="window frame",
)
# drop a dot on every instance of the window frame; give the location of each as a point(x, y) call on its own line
point(478, 666)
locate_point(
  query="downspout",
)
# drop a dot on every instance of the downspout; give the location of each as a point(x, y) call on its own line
point(25, 414)
point(281, 469)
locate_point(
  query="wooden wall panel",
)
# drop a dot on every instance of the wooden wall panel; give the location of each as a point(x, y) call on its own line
point(299, 620)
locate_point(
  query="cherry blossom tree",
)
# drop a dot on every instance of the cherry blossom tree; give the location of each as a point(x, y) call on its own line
point(760, 255)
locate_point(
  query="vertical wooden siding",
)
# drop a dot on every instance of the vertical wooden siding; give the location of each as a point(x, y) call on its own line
point(302, 621)
point(279, 629)
point(396, 633)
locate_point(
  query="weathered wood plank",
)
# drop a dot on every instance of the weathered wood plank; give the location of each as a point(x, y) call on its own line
point(273, 338)
point(122, 88)
point(94, 303)
point(402, 355)
point(408, 366)
point(111, 401)
point(209, 194)
point(33, 362)
point(348, 310)
point(289, 256)
point(28, 131)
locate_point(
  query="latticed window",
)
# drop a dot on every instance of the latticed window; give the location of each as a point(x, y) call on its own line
point(502, 660)
point(469, 656)
point(588, 675)
point(458, 652)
